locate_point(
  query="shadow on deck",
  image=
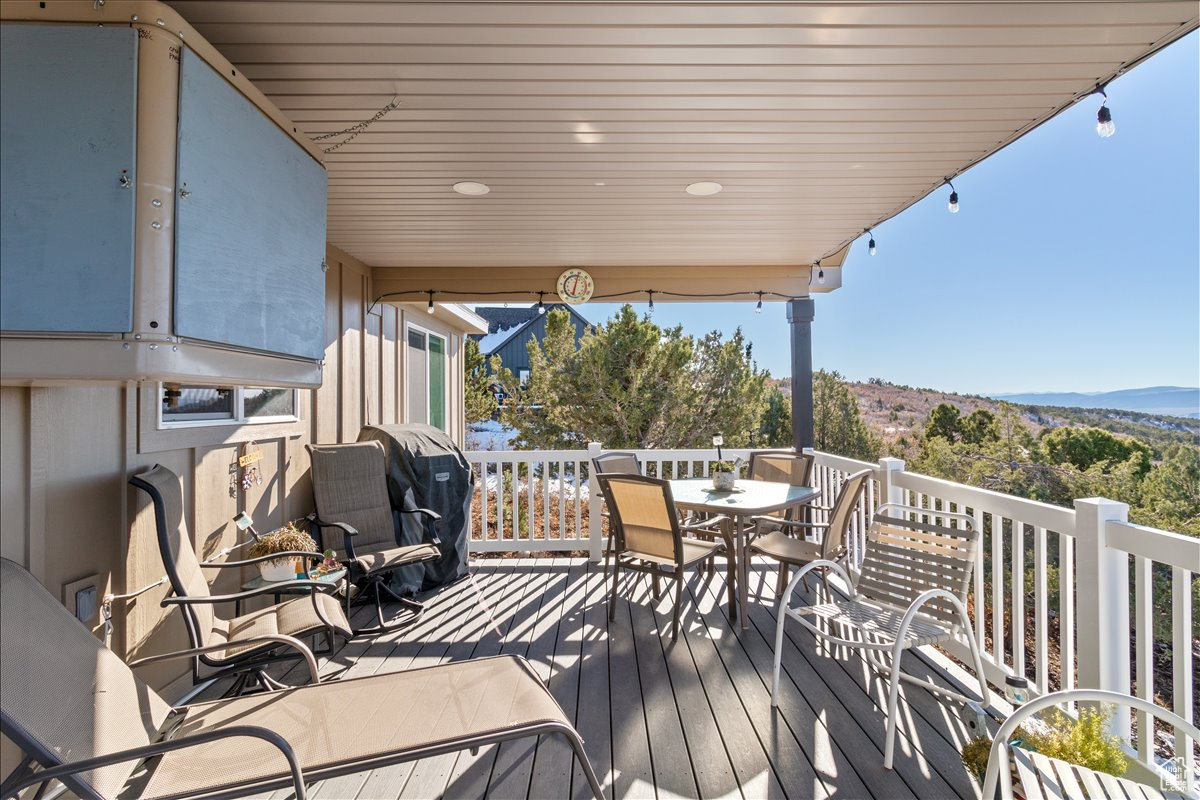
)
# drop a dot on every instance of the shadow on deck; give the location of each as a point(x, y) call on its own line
point(689, 719)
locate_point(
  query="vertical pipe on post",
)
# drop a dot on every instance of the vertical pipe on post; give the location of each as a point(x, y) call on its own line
point(800, 317)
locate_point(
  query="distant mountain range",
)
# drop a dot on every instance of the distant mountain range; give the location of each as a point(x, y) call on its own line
point(1178, 401)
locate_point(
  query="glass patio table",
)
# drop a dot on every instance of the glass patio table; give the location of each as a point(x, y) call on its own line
point(748, 499)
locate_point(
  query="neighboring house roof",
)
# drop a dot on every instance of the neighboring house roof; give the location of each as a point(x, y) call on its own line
point(504, 324)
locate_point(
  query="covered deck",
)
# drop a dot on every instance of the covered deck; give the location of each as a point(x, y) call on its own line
point(689, 719)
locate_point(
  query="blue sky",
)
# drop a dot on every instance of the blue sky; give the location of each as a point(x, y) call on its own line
point(1073, 265)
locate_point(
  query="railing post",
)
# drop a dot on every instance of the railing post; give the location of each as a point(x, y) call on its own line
point(595, 539)
point(888, 469)
point(1102, 604)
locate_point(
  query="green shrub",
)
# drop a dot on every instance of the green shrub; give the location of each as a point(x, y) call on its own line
point(1081, 741)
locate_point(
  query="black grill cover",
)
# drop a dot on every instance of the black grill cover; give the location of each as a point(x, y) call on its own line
point(426, 470)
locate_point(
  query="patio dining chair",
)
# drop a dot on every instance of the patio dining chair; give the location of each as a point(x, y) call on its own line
point(650, 538)
point(910, 591)
point(784, 540)
point(245, 644)
point(81, 716)
point(354, 519)
point(1043, 776)
point(613, 463)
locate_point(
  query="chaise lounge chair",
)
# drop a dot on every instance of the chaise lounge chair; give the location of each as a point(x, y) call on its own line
point(81, 716)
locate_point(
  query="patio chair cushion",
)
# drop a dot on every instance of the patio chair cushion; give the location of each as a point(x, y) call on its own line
point(356, 721)
point(875, 620)
point(296, 617)
point(693, 550)
point(781, 547)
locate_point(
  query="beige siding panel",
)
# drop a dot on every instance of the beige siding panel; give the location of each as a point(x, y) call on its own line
point(351, 335)
point(215, 495)
point(389, 360)
point(14, 477)
point(372, 369)
point(326, 399)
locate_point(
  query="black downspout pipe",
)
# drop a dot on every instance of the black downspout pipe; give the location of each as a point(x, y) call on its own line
point(800, 317)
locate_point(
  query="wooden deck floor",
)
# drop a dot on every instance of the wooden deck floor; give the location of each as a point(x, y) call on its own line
point(691, 719)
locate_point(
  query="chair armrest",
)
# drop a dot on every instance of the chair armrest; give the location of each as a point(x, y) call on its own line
point(157, 748)
point(278, 638)
point(260, 559)
point(270, 588)
point(348, 533)
point(433, 515)
point(704, 524)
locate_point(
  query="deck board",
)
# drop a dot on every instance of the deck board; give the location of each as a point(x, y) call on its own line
point(659, 719)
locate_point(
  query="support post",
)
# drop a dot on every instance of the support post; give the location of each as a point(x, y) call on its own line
point(800, 317)
point(595, 536)
point(1102, 604)
point(889, 468)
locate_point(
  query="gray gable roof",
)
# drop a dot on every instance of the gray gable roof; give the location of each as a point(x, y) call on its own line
point(524, 317)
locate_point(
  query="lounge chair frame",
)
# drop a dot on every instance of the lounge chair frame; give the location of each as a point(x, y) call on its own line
point(616, 463)
point(38, 743)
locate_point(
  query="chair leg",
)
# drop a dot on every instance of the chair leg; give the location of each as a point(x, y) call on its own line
point(612, 601)
point(413, 607)
point(608, 553)
point(678, 607)
point(577, 746)
point(889, 745)
point(730, 578)
point(782, 580)
point(657, 587)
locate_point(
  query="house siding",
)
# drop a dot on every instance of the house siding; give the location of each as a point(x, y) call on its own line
point(514, 353)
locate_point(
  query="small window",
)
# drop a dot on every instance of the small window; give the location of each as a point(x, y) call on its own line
point(184, 405)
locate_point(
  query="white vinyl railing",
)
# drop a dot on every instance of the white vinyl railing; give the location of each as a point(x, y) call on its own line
point(1050, 601)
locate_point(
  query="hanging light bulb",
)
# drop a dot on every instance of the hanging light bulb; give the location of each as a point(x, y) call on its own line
point(1104, 124)
point(758, 308)
point(870, 242)
point(429, 308)
point(541, 305)
point(651, 293)
point(952, 206)
point(820, 273)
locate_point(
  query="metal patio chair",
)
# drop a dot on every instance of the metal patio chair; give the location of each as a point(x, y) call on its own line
point(784, 540)
point(613, 463)
point(650, 538)
point(1041, 776)
point(910, 591)
point(351, 494)
point(245, 644)
point(81, 716)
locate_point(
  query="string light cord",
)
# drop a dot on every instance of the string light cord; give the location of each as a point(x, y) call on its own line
point(749, 294)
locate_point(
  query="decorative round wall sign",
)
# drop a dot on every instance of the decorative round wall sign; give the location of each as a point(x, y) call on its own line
point(575, 286)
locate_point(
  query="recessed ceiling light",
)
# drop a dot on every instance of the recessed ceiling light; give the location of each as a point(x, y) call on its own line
point(471, 188)
point(599, 183)
point(703, 188)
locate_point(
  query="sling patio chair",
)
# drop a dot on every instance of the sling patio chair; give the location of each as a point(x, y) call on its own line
point(649, 536)
point(777, 538)
point(82, 717)
point(619, 464)
point(243, 645)
point(910, 591)
point(1044, 777)
point(351, 494)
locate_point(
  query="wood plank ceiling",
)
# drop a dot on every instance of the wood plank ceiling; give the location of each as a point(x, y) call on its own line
point(587, 120)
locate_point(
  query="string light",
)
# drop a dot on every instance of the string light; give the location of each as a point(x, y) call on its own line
point(541, 304)
point(952, 206)
point(820, 273)
point(1105, 127)
point(473, 296)
point(870, 242)
point(651, 293)
point(758, 308)
point(429, 308)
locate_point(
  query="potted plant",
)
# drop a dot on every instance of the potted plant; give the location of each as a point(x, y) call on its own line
point(724, 475)
point(288, 539)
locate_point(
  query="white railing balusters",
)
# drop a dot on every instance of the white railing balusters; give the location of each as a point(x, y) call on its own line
point(1183, 676)
point(1066, 616)
point(1018, 597)
point(1041, 612)
point(1143, 627)
point(997, 588)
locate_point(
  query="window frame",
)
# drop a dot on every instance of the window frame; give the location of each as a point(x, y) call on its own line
point(445, 339)
point(236, 419)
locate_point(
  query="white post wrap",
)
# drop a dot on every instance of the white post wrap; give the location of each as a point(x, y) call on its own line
point(1102, 604)
point(888, 490)
point(595, 538)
